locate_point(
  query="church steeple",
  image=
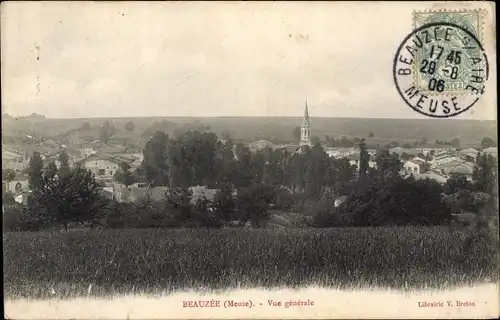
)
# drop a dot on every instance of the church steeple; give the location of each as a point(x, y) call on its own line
point(305, 128)
point(306, 114)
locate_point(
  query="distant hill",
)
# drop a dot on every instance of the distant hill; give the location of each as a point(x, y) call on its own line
point(276, 129)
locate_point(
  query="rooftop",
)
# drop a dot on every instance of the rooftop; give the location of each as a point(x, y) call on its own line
point(491, 150)
point(431, 175)
point(103, 156)
point(468, 151)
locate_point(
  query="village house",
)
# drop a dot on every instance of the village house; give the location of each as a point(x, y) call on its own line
point(493, 151)
point(12, 156)
point(440, 178)
point(444, 160)
point(45, 148)
point(260, 145)
point(85, 152)
point(338, 153)
point(121, 149)
point(18, 184)
point(103, 167)
point(14, 160)
point(445, 153)
point(22, 197)
point(468, 154)
point(415, 166)
point(79, 152)
point(456, 166)
point(432, 148)
point(354, 160)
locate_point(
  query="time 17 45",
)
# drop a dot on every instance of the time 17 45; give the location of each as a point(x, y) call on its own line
point(429, 66)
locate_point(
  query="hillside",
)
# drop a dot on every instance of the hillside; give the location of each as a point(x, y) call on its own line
point(275, 129)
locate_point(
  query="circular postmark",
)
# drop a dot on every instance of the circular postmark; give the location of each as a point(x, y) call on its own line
point(440, 69)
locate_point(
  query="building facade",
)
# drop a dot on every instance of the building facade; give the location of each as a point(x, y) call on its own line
point(102, 166)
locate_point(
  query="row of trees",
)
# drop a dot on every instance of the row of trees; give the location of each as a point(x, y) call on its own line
point(176, 209)
point(198, 158)
point(129, 126)
point(308, 181)
point(108, 129)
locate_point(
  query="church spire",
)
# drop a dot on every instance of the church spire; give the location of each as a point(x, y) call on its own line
point(305, 128)
point(306, 111)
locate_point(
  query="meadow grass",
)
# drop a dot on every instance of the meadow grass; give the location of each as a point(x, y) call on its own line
point(150, 261)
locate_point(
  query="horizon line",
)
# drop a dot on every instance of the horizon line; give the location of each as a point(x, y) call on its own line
point(271, 116)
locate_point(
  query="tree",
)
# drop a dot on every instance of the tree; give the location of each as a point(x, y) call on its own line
point(487, 142)
point(224, 203)
point(226, 136)
point(315, 140)
point(85, 126)
point(325, 214)
point(35, 168)
point(193, 159)
point(8, 198)
point(455, 142)
point(130, 126)
point(456, 182)
point(273, 169)
point(8, 175)
point(155, 161)
point(388, 165)
point(123, 175)
point(364, 159)
point(178, 202)
point(51, 170)
point(485, 173)
point(423, 141)
point(106, 131)
point(341, 174)
point(371, 135)
point(253, 203)
point(397, 202)
point(316, 168)
point(225, 161)
point(74, 197)
point(64, 166)
point(296, 133)
point(205, 215)
point(405, 156)
point(407, 146)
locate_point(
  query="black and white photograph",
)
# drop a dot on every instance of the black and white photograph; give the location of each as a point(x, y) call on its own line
point(249, 160)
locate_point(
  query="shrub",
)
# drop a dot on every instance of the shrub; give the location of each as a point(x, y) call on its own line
point(390, 202)
point(17, 217)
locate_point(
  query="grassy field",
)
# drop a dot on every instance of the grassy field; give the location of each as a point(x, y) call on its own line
point(102, 262)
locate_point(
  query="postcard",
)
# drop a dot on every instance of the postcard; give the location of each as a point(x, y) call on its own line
point(249, 160)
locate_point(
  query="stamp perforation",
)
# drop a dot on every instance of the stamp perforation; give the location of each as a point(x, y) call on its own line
point(481, 17)
point(443, 96)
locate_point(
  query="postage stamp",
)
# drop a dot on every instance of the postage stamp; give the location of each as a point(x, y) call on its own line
point(441, 69)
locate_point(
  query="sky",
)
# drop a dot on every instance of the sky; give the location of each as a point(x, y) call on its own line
point(138, 59)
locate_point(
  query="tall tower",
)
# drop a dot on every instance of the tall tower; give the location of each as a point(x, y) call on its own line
point(305, 129)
